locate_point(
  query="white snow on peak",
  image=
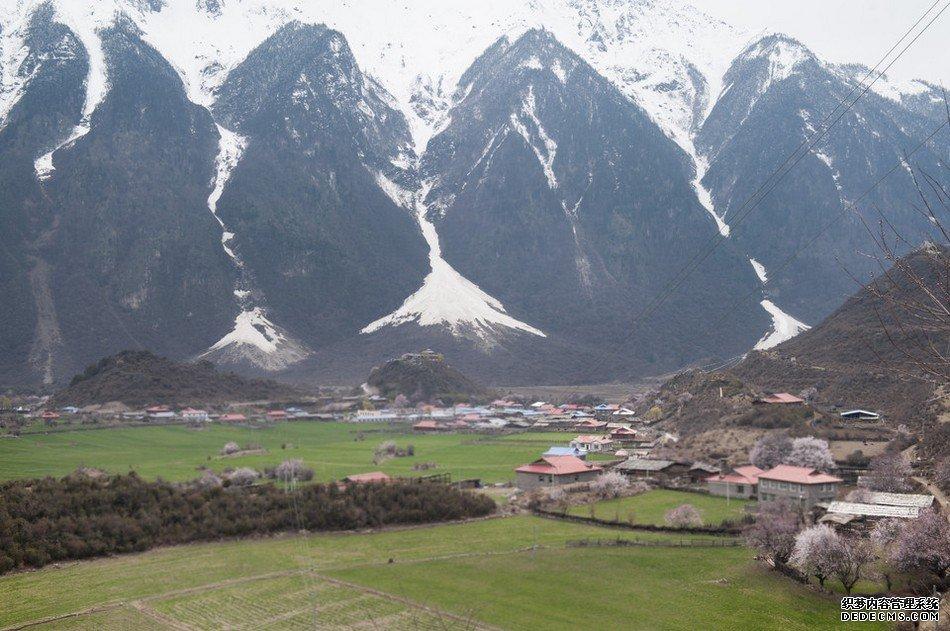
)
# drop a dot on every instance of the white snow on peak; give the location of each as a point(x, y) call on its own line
point(544, 148)
point(760, 270)
point(888, 87)
point(13, 52)
point(783, 56)
point(784, 327)
point(203, 46)
point(447, 298)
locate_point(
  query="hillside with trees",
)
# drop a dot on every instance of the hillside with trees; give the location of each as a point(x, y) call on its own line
point(423, 376)
point(140, 378)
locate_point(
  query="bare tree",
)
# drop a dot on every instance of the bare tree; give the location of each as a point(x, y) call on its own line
point(610, 484)
point(883, 540)
point(811, 452)
point(777, 448)
point(244, 476)
point(889, 473)
point(924, 545)
point(684, 516)
point(849, 556)
point(814, 553)
point(770, 450)
point(773, 531)
point(912, 295)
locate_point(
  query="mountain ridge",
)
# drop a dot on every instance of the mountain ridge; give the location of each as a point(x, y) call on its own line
point(519, 184)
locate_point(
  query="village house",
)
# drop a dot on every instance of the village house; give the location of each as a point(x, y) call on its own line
point(738, 482)
point(375, 416)
point(427, 426)
point(872, 506)
point(232, 418)
point(590, 424)
point(780, 398)
point(860, 415)
point(700, 471)
point(623, 435)
point(555, 450)
point(653, 469)
point(594, 443)
point(191, 414)
point(802, 486)
point(276, 415)
point(555, 471)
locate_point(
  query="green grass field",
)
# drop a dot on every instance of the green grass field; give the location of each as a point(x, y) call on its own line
point(331, 449)
point(651, 507)
point(510, 572)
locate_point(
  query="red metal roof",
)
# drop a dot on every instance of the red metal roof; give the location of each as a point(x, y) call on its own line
point(798, 475)
point(782, 397)
point(592, 438)
point(558, 465)
point(748, 474)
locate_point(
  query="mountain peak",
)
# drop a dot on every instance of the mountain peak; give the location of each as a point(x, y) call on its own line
point(783, 53)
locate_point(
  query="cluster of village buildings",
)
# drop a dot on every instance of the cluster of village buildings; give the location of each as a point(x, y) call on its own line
point(616, 437)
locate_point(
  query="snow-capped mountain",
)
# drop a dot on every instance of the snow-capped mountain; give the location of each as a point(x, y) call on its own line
point(272, 183)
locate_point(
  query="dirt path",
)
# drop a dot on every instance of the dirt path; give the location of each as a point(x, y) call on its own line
point(934, 490)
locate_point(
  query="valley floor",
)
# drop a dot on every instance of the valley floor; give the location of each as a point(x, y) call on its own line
point(333, 450)
point(513, 572)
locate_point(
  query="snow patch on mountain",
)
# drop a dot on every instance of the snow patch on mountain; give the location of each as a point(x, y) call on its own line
point(826, 160)
point(759, 270)
point(204, 45)
point(545, 149)
point(784, 327)
point(447, 298)
point(230, 148)
point(13, 52)
point(85, 24)
point(256, 340)
point(701, 164)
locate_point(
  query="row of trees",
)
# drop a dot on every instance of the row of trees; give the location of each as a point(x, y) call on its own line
point(777, 448)
point(81, 516)
point(917, 550)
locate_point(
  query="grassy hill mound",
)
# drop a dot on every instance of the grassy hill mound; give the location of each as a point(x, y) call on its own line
point(867, 354)
point(139, 378)
point(423, 377)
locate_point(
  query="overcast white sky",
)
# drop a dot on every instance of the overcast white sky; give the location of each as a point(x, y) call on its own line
point(850, 30)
